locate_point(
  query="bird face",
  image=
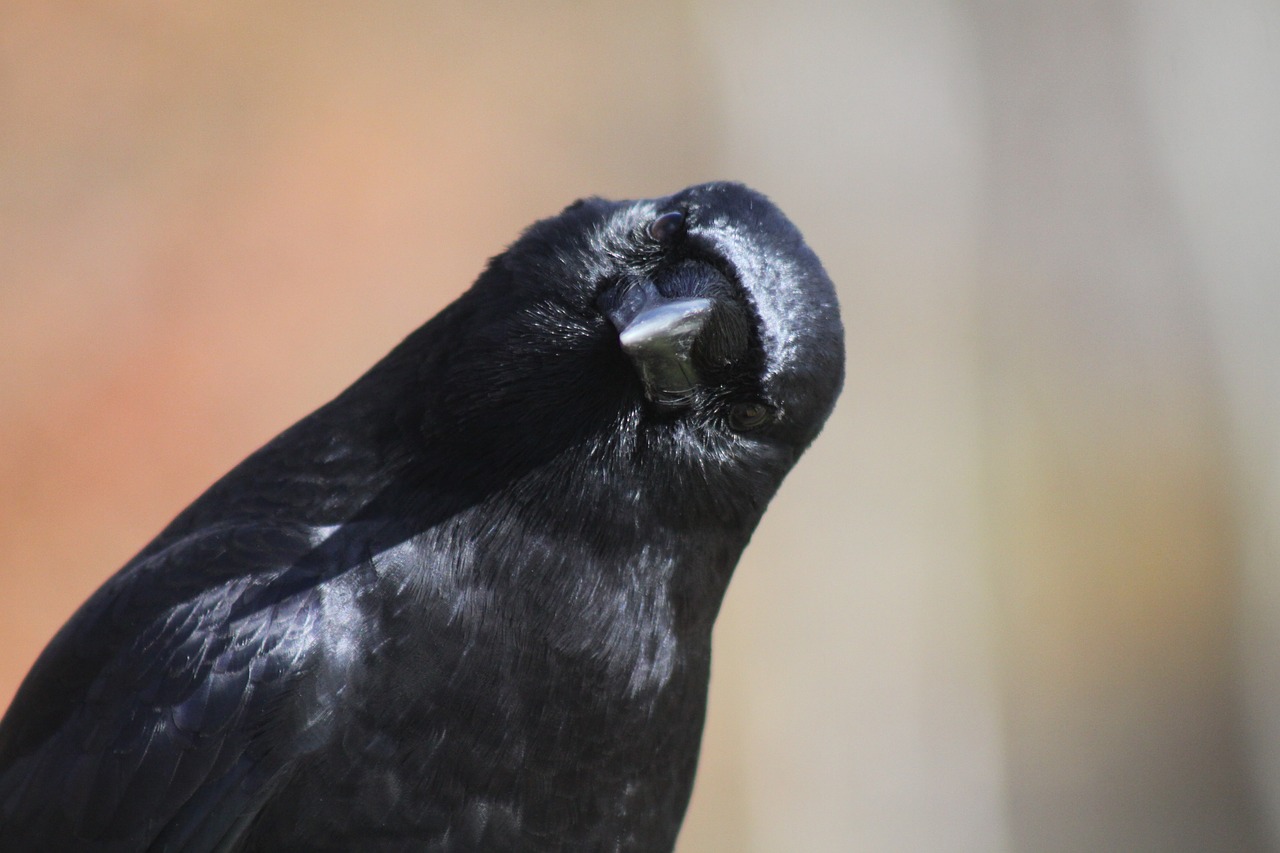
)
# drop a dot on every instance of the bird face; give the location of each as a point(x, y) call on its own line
point(702, 310)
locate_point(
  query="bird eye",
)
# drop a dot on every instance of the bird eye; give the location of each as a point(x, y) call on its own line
point(744, 417)
point(666, 226)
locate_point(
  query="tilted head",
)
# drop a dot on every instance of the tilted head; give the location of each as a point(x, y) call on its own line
point(698, 322)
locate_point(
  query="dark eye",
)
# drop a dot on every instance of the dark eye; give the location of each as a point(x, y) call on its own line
point(744, 417)
point(666, 226)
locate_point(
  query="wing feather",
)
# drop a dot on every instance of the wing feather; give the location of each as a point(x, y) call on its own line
point(143, 724)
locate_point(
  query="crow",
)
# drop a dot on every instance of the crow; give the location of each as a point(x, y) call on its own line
point(466, 605)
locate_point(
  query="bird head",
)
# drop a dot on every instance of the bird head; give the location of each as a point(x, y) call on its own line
point(721, 310)
point(698, 325)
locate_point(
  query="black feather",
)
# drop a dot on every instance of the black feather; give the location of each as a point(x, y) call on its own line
point(468, 604)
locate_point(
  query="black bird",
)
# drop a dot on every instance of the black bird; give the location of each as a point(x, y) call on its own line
point(467, 605)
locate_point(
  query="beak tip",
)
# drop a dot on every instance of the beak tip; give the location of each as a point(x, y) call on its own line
point(668, 325)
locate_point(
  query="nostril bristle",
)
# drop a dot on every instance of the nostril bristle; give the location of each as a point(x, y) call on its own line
point(726, 336)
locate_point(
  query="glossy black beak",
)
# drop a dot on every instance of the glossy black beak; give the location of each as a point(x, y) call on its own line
point(658, 333)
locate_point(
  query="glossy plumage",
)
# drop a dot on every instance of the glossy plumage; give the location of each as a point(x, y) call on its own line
point(467, 605)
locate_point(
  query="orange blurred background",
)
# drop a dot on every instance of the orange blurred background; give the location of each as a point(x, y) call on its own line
point(1023, 592)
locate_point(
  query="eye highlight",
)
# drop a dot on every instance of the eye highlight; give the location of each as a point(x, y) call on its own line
point(744, 417)
point(666, 226)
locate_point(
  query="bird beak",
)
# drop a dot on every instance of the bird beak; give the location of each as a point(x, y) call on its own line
point(658, 333)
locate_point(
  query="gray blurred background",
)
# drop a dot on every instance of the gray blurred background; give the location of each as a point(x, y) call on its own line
point(1022, 595)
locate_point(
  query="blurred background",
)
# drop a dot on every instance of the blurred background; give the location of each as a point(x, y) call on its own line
point(1022, 595)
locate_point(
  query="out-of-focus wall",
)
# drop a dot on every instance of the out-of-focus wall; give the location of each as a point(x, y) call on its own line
point(1021, 594)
